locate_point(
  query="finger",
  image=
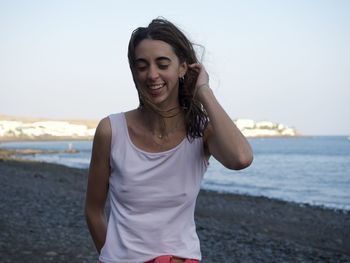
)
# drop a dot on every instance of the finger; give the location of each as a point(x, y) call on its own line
point(195, 69)
point(195, 66)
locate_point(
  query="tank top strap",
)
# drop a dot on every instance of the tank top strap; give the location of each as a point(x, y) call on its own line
point(117, 126)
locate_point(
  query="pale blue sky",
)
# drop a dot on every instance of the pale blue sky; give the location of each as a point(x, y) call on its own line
point(284, 61)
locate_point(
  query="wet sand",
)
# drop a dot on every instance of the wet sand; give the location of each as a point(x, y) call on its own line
point(42, 220)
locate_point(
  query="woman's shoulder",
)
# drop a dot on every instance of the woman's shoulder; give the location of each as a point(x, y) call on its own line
point(131, 114)
point(104, 129)
point(133, 119)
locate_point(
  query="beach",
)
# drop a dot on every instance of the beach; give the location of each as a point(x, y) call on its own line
point(42, 220)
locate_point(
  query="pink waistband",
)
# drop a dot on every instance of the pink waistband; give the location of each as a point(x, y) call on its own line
point(167, 259)
point(170, 259)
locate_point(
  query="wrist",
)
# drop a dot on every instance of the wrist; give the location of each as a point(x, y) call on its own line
point(203, 92)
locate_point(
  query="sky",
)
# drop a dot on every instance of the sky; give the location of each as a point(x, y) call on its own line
point(283, 61)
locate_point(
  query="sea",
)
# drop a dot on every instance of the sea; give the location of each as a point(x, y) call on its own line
point(313, 170)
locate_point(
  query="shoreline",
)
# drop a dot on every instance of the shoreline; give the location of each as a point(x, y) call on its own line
point(90, 138)
point(44, 139)
point(272, 199)
point(42, 220)
point(11, 154)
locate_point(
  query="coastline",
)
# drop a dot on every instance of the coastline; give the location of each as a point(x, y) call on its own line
point(18, 128)
point(68, 147)
point(42, 220)
point(4, 139)
point(44, 139)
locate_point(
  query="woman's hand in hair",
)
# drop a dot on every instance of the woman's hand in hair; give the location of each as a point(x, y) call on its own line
point(222, 138)
point(202, 83)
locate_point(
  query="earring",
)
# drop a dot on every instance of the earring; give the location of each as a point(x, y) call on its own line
point(181, 81)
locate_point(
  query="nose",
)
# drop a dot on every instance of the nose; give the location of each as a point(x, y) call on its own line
point(152, 73)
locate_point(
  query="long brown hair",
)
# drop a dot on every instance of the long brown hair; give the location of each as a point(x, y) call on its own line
point(196, 118)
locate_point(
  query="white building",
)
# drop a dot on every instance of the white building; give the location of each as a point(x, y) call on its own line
point(15, 129)
point(44, 128)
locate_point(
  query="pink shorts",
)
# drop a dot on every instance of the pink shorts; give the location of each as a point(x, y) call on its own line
point(170, 259)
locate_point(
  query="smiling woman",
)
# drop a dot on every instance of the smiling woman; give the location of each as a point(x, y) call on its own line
point(152, 159)
point(179, 53)
point(157, 73)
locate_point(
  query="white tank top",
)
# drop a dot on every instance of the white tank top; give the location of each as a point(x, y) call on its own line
point(152, 198)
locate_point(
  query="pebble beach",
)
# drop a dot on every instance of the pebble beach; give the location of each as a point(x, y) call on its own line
point(42, 220)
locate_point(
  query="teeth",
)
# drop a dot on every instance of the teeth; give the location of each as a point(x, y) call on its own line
point(154, 87)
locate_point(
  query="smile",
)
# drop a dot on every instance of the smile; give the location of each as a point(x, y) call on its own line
point(156, 86)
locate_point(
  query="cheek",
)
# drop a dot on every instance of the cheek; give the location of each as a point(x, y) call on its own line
point(172, 75)
point(139, 76)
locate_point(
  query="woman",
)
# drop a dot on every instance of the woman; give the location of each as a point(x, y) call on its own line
point(151, 160)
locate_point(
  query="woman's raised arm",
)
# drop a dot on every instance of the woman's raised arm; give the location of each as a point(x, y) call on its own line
point(222, 138)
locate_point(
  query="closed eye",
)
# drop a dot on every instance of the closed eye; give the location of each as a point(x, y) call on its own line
point(163, 66)
point(141, 68)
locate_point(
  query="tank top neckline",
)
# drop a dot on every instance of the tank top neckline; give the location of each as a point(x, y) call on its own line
point(125, 124)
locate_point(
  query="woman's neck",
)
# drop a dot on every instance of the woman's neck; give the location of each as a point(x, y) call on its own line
point(164, 122)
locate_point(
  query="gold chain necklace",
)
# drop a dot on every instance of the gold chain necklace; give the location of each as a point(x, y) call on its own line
point(166, 134)
point(162, 136)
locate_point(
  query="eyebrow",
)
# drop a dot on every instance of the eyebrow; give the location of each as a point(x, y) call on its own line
point(159, 59)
